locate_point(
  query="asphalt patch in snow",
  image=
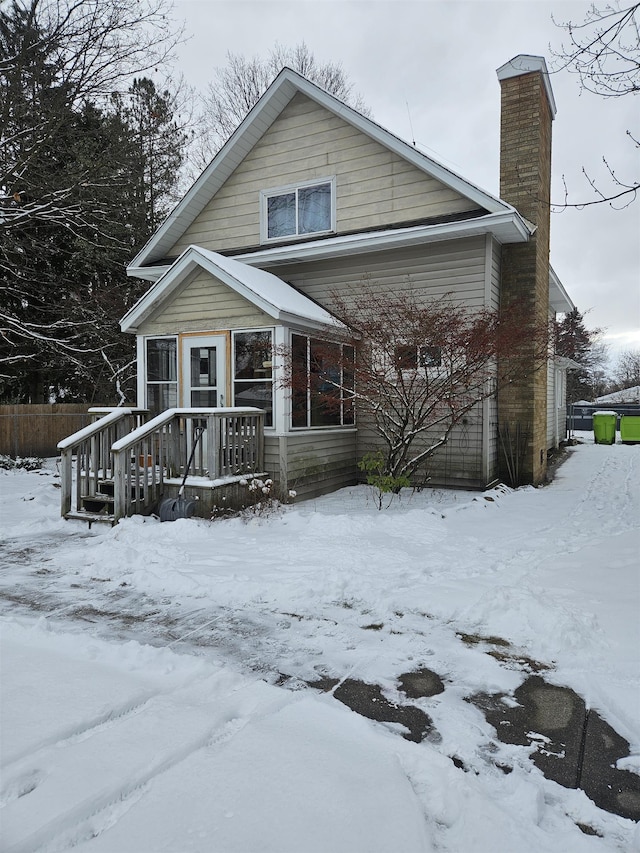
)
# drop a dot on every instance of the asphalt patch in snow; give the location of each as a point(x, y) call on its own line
point(573, 746)
point(369, 701)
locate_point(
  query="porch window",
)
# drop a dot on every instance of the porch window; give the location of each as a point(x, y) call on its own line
point(162, 374)
point(297, 210)
point(253, 371)
point(323, 382)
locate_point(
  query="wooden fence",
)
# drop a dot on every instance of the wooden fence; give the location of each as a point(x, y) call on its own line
point(36, 430)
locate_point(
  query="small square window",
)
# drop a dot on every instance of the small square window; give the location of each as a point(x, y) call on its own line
point(296, 211)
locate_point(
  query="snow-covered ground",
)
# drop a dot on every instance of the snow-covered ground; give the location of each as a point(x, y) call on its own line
point(154, 692)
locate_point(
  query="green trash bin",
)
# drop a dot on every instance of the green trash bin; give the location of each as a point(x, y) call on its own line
point(630, 429)
point(604, 427)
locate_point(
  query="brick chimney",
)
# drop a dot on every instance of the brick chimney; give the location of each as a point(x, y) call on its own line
point(527, 111)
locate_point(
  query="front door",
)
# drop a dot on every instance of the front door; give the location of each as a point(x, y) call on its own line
point(204, 371)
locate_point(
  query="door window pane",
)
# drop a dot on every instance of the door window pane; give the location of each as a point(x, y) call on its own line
point(206, 399)
point(203, 367)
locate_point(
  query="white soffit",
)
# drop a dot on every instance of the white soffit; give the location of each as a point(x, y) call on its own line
point(507, 227)
point(559, 299)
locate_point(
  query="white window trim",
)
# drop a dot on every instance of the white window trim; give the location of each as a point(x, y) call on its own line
point(265, 195)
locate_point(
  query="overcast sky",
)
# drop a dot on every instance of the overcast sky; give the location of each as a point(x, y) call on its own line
point(427, 71)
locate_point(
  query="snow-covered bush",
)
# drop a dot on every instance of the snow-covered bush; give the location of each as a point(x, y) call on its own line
point(26, 463)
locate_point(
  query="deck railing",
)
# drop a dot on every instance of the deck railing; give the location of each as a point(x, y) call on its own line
point(232, 443)
point(91, 447)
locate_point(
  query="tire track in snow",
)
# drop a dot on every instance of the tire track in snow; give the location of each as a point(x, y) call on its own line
point(77, 733)
point(157, 744)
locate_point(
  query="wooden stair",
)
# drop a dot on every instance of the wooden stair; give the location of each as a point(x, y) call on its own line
point(98, 507)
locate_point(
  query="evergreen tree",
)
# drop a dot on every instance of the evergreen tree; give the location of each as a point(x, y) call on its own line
point(158, 140)
point(75, 204)
point(575, 341)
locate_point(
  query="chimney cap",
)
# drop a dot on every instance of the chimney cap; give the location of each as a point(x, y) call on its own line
point(526, 64)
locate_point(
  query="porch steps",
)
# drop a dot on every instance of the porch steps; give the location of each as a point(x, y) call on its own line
point(98, 503)
point(98, 507)
point(90, 517)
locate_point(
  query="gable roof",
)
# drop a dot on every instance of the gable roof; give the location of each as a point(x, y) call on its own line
point(257, 122)
point(266, 291)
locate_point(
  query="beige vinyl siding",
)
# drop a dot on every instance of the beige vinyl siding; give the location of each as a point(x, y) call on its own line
point(312, 463)
point(556, 405)
point(374, 186)
point(494, 282)
point(459, 462)
point(204, 302)
point(551, 410)
point(455, 268)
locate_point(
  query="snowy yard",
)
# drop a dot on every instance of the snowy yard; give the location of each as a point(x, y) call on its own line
point(155, 676)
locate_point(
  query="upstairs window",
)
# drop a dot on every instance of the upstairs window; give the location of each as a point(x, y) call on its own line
point(294, 211)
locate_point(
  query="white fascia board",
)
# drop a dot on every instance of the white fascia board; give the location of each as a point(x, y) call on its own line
point(564, 363)
point(147, 273)
point(256, 123)
point(559, 299)
point(400, 147)
point(163, 287)
point(507, 227)
point(282, 304)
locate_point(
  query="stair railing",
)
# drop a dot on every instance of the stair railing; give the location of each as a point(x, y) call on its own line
point(91, 447)
point(232, 444)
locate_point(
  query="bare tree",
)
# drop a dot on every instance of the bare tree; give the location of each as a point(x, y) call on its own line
point(604, 51)
point(56, 55)
point(420, 367)
point(626, 372)
point(239, 85)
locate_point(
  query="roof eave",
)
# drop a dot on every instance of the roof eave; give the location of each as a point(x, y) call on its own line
point(507, 227)
point(256, 123)
point(559, 299)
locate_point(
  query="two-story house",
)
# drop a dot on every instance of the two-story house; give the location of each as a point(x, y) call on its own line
point(307, 198)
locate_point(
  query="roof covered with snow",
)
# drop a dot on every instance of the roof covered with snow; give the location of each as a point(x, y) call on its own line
point(627, 395)
point(266, 291)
